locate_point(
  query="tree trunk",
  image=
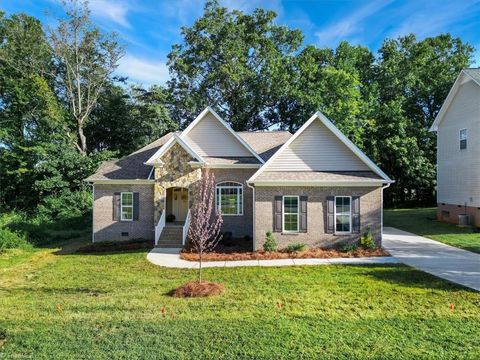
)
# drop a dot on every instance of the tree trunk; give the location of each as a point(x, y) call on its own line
point(200, 268)
point(82, 140)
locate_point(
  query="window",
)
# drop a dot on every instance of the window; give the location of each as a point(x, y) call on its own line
point(229, 198)
point(463, 139)
point(343, 217)
point(290, 213)
point(126, 210)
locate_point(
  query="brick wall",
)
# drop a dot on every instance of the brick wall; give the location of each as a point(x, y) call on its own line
point(106, 229)
point(243, 224)
point(449, 213)
point(316, 236)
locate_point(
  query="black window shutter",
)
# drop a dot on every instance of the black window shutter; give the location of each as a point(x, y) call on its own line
point(330, 214)
point(277, 214)
point(116, 206)
point(136, 205)
point(356, 214)
point(303, 213)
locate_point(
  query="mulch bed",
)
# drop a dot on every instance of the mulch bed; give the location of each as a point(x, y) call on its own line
point(113, 247)
point(199, 289)
point(314, 253)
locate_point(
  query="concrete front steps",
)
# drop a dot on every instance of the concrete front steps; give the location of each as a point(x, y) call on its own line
point(171, 237)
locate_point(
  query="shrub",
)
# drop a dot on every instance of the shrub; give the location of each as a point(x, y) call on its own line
point(295, 247)
point(349, 248)
point(12, 240)
point(170, 218)
point(366, 240)
point(270, 242)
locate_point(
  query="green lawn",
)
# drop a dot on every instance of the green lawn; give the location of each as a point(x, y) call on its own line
point(110, 306)
point(423, 222)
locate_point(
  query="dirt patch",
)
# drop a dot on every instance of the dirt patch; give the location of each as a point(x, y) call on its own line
point(115, 246)
point(315, 253)
point(199, 289)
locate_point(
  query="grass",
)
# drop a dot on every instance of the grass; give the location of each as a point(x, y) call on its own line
point(423, 222)
point(58, 304)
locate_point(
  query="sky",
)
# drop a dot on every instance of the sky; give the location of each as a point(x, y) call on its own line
point(148, 28)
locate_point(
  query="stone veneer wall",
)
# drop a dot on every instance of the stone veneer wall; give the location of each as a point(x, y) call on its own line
point(316, 236)
point(175, 172)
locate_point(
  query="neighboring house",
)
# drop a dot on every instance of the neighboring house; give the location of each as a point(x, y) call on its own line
point(314, 187)
point(458, 150)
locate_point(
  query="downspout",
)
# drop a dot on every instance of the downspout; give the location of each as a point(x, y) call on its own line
point(254, 219)
point(93, 212)
point(381, 215)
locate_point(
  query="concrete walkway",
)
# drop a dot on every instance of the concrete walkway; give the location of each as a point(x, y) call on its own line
point(171, 258)
point(447, 262)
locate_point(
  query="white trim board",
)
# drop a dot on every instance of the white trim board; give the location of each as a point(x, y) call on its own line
point(319, 116)
point(207, 110)
point(319, 183)
point(174, 139)
point(124, 182)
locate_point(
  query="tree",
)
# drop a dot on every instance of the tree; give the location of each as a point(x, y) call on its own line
point(127, 118)
point(85, 60)
point(204, 230)
point(413, 79)
point(235, 62)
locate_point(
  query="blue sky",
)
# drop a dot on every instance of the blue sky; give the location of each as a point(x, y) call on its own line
point(148, 28)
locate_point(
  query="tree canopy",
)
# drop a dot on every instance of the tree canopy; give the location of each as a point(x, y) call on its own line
point(256, 73)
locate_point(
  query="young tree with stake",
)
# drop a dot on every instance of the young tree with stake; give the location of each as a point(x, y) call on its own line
point(204, 230)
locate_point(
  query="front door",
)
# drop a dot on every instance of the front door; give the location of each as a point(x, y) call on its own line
point(180, 203)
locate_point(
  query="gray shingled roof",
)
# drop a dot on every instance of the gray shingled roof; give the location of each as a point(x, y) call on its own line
point(318, 176)
point(133, 167)
point(474, 73)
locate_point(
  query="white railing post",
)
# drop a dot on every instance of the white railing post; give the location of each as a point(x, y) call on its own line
point(159, 227)
point(185, 228)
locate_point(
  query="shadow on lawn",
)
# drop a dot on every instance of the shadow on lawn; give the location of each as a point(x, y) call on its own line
point(406, 276)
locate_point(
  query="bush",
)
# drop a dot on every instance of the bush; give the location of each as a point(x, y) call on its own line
point(170, 218)
point(349, 248)
point(270, 242)
point(366, 240)
point(295, 247)
point(12, 240)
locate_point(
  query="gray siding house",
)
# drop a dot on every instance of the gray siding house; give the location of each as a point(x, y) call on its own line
point(314, 186)
point(458, 150)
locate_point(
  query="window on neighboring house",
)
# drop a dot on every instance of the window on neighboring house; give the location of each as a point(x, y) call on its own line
point(126, 202)
point(229, 198)
point(343, 214)
point(463, 139)
point(290, 214)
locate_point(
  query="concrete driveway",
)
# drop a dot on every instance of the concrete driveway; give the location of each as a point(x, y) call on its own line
point(447, 262)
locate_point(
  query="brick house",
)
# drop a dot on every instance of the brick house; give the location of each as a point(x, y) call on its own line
point(314, 187)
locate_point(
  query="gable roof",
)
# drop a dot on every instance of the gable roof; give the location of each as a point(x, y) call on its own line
point(133, 167)
point(470, 74)
point(329, 125)
point(202, 116)
point(174, 139)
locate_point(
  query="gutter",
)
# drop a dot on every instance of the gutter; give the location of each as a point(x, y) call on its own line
point(253, 204)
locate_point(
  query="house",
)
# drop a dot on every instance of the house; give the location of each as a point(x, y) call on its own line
point(314, 187)
point(458, 150)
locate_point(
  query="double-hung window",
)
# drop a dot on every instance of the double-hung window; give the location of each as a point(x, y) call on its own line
point(126, 204)
point(229, 198)
point(343, 214)
point(463, 139)
point(290, 213)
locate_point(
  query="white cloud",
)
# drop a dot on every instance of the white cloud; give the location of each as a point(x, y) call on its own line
point(111, 10)
point(351, 24)
point(144, 71)
point(428, 18)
